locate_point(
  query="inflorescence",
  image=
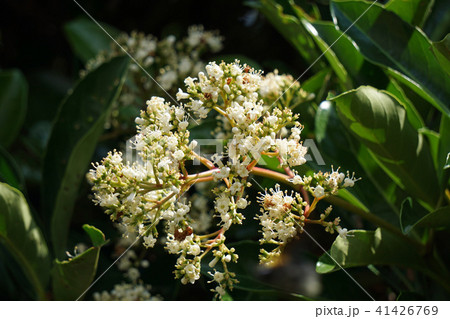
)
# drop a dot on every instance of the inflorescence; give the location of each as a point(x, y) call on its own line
point(255, 119)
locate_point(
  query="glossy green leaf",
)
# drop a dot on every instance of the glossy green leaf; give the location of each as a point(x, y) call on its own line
point(414, 12)
point(13, 105)
point(387, 40)
point(87, 39)
point(10, 173)
point(74, 136)
point(439, 219)
point(411, 112)
point(365, 248)
point(290, 27)
point(347, 53)
point(406, 82)
point(316, 82)
point(379, 122)
point(329, 54)
point(390, 195)
point(23, 238)
point(321, 120)
point(340, 149)
point(442, 52)
point(438, 22)
point(97, 237)
point(72, 277)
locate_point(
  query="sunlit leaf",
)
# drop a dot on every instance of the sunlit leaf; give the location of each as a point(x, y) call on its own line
point(365, 248)
point(387, 40)
point(74, 136)
point(23, 238)
point(379, 122)
point(414, 12)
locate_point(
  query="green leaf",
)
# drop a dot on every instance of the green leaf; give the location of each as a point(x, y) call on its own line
point(439, 219)
point(87, 39)
point(329, 54)
point(72, 277)
point(13, 105)
point(438, 22)
point(97, 237)
point(316, 82)
point(433, 140)
point(410, 213)
point(9, 171)
point(321, 120)
point(23, 238)
point(346, 53)
point(442, 52)
point(363, 248)
point(414, 12)
point(387, 40)
point(379, 122)
point(74, 135)
point(406, 82)
point(290, 27)
point(386, 196)
point(411, 112)
point(341, 149)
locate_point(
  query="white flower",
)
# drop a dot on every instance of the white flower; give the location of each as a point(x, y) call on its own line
point(193, 144)
point(214, 70)
point(178, 155)
point(223, 173)
point(297, 179)
point(109, 200)
point(133, 274)
point(222, 203)
point(149, 241)
point(183, 125)
point(164, 164)
point(241, 203)
point(242, 171)
point(194, 250)
point(218, 276)
point(343, 232)
point(220, 291)
point(319, 191)
point(348, 182)
point(236, 187)
point(182, 95)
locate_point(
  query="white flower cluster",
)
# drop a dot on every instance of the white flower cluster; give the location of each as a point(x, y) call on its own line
point(127, 292)
point(325, 184)
point(282, 217)
point(169, 61)
point(282, 89)
point(140, 196)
